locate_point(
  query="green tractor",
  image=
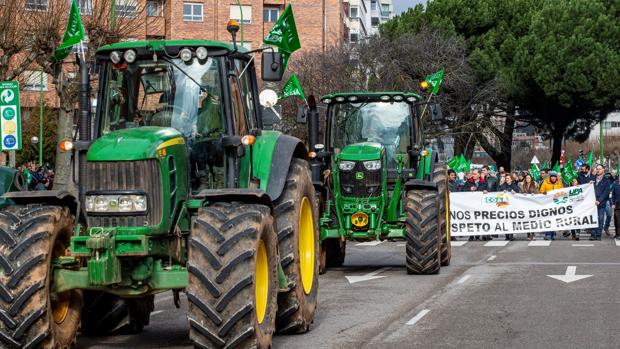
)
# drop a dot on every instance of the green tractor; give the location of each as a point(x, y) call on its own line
point(378, 179)
point(179, 189)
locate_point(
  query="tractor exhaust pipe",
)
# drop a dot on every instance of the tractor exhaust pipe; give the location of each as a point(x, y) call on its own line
point(84, 128)
point(316, 165)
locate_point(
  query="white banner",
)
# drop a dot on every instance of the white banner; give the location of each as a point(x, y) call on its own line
point(476, 213)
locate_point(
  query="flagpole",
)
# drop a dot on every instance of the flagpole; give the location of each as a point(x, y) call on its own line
point(426, 104)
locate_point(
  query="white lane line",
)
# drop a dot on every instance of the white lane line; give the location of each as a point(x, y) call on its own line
point(401, 245)
point(540, 243)
point(418, 317)
point(617, 242)
point(369, 243)
point(491, 258)
point(463, 279)
point(156, 312)
point(496, 243)
point(458, 243)
point(583, 245)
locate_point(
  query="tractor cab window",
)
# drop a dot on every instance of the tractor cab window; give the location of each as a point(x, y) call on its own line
point(184, 96)
point(387, 123)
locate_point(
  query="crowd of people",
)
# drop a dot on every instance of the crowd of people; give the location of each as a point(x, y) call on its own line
point(37, 177)
point(606, 185)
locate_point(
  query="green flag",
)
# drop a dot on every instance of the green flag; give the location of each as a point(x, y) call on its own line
point(434, 80)
point(284, 35)
point(568, 173)
point(73, 34)
point(556, 168)
point(590, 159)
point(454, 162)
point(535, 172)
point(292, 88)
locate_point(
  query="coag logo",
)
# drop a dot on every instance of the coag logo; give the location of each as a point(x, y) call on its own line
point(499, 200)
point(560, 198)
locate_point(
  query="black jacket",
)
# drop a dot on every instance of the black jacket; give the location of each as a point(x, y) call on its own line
point(512, 187)
point(602, 190)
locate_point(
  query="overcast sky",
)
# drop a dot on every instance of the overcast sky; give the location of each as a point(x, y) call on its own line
point(403, 5)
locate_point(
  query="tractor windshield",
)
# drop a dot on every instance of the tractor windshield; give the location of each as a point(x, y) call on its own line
point(387, 123)
point(159, 93)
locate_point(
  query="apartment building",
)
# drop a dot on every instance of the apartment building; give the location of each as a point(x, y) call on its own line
point(365, 17)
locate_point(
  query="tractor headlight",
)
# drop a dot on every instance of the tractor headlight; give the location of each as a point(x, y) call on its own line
point(116, 203)
point(346, 165)
point(372, 165)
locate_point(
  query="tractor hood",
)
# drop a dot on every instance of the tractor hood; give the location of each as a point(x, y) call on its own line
point(133, 143)
point(362, 151)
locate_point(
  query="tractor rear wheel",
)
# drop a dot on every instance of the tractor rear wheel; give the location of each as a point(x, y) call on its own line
point(423, 235)
point(31, 238)
point(441, 180)
point(298, 238)
point(233, 281)
point(335, 252)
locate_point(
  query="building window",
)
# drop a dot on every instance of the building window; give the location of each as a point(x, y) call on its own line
point(192, 12)
point(32, 80)
point(270, 14)
point(373, 4)
point(354, 37)
point(354, 12)
point(126, 8)
point(374, 21)
point(86, 7)
point(152, 8)
point(36, 5)
point(235, 13)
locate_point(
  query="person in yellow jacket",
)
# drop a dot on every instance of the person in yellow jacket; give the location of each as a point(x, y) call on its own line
point(550, 183)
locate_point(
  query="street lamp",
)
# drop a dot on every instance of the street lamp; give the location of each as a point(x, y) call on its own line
point(34, 140)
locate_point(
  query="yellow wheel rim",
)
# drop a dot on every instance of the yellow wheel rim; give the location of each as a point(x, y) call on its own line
point(306, 245)
point(262, 282)
point(60, 307)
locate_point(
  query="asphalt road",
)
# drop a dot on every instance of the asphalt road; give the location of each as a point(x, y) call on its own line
point(490, 297)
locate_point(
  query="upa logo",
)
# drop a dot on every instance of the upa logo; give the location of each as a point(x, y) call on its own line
point(560, 198)
point(500, 200)
point(576, 195)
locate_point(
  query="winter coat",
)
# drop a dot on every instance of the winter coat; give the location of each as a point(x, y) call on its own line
point(584, 178)
point(548, 186)
point(509, 187)
point(615, 195)
point(480, 186)
point(453, 186)
point(531, 189)
point(602, 190)
point(491, 183)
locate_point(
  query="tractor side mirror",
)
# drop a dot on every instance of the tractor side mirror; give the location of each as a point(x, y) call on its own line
point(436, 114)
point(272, 66)
point(302, 114)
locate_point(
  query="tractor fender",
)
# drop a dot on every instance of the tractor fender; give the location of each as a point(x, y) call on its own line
point(251, 196)
point(419, 184)
point(51, 197)
point(286, 149)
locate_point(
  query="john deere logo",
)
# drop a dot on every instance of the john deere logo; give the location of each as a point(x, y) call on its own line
point(500, 200)
point(359, 175)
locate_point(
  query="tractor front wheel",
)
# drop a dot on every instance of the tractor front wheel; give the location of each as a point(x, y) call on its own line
point(298, 237)
point(423, 235)
point(31, 239)
point(233, 281)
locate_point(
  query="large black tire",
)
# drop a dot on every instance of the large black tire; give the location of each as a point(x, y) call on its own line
point(296, 308)
point(227, 243)
point(104, 313)
point(332, 254)
point(30, 237)
point(440, 177)
point(423, 235)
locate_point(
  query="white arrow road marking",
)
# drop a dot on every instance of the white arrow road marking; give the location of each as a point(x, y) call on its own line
point(370, 243)
point(156, 312)
point(366, 277)
point(491, 258)
point(463, 279)
point(401, 245)
point(617, 242)
point(418, 317)
point(540, 243)
point(570, 275)
point(496, 243)
point(458, 243)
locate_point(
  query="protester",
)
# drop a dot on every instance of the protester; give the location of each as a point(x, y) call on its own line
point(602, 188)
point(550, 183)
point(529, 186)
point(584, 176)
point(489, 179)
point(476, 183)
point(615, 200)
point(501, 172)
point(453, 184)
point(543, 175)
point(509, 186)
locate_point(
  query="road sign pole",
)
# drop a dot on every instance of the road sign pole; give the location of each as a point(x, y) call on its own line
point(600, 142)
